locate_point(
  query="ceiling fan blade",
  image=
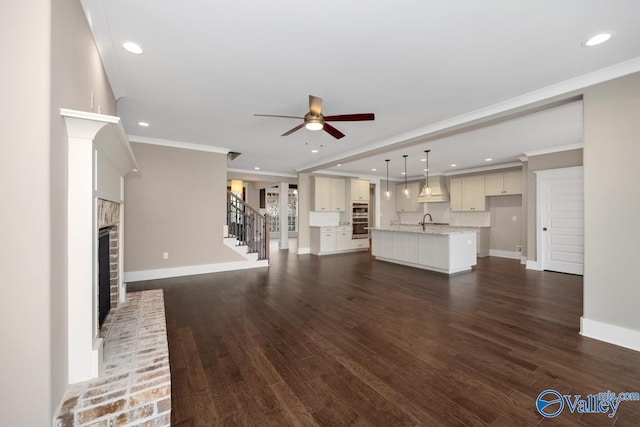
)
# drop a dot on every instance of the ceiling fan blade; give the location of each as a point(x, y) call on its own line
point(332, 131)
point(350, 117)
point(289, 132)
point(274, 115)
point(315, 105)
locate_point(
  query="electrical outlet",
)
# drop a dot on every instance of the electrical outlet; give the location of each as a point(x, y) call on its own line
point(518, 248)
point(165, 255)
point(514, 218)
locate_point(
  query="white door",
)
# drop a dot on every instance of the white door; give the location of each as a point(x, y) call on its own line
point(562, 220)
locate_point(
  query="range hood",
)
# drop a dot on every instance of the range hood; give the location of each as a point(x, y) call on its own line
point(439, 190)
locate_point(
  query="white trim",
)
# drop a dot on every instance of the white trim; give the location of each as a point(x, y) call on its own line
point(523, 260)
point(259, 172)
point(533, 265)
point(484, 169)
point(504, 254)
point(554, 149)
point(178, 144)
point(543, 177)
point(165, 273)
point(86, 115)
point(304, 251)
point(562, 173)
point(613, 334)
point(567, 88)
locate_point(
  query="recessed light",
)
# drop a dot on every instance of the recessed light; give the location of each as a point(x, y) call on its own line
point(257, 168)
point(425, 169)
point(453, 165)
point(598, 39)
point(143, 124)
point(404, 173)
point(339, 164)
point(314, 151)
point(487, 160)
point(423, 160)
point(373, 169)
point(132, 47)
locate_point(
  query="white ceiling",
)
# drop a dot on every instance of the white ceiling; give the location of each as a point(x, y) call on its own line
point(420, 66)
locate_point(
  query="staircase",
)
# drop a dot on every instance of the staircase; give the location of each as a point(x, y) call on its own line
point(247, 231)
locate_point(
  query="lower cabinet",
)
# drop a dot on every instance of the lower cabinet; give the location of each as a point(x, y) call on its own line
point(333, 240)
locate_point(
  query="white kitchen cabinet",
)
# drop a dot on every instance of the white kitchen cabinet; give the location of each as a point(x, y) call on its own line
point(455, 194)
point(335, 240)
point(338, 202)
point(410, 204)
point(328, 194)
point(343, 241)
point(360, 244)
point(467, 194)
point(448, 253)
point(405, 247)
point(505, 183)
point(359, 190)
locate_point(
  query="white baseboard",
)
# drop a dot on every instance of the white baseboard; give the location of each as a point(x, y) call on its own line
point(504, 254)
point(613, 334)
point(523, 260)
point(533, 265)
point(304, 251)
point(165, 273)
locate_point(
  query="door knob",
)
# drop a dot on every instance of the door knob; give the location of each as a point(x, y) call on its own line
point(544, 228)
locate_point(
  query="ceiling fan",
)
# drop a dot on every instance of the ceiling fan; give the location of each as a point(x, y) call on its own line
point(315, 120)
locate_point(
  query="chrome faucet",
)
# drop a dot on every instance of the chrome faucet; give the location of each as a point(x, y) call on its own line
point(424, 223)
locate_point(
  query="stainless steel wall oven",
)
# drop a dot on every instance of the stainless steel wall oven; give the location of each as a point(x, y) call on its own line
point(359, 220)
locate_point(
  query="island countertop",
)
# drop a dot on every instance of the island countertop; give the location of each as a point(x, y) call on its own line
point(429, 229)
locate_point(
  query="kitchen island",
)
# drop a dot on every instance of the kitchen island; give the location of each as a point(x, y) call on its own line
point(437, 248)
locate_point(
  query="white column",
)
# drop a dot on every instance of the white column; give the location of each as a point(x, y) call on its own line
point(284, 210)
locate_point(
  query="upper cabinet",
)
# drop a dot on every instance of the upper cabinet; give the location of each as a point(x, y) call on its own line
point(407, 204)
point(359, 189)
point(328, 194)
point(505, 183)
point(467, 193)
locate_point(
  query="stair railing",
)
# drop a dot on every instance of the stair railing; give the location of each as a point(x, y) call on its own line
point(249, 226)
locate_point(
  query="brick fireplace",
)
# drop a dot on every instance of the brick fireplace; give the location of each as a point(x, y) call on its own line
point(109, 267)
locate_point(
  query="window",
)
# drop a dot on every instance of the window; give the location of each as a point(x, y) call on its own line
point(273, 209)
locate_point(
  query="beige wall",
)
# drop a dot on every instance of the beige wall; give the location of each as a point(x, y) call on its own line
point(175, 204)
point(26, 304)
point(54, 65)
point(304, 204)
point(562, 159)
point(387, 207)
point(612, 202)
point(505, 233)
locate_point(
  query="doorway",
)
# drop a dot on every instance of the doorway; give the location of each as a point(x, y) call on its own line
point(560, 220)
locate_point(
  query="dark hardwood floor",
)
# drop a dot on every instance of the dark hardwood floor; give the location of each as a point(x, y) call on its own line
point(346, 340)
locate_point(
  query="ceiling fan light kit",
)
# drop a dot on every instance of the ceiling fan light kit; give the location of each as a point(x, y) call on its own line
point(315, 120)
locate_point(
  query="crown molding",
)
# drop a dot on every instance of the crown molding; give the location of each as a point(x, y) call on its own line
point(264, 173)
point(484, 169)
point(563, 90)
point(178, 144)
point(554, 149)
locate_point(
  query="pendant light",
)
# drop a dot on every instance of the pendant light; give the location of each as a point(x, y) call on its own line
point(387, 194)
point(406, 189)
point(236, 186)
point(426, 190)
